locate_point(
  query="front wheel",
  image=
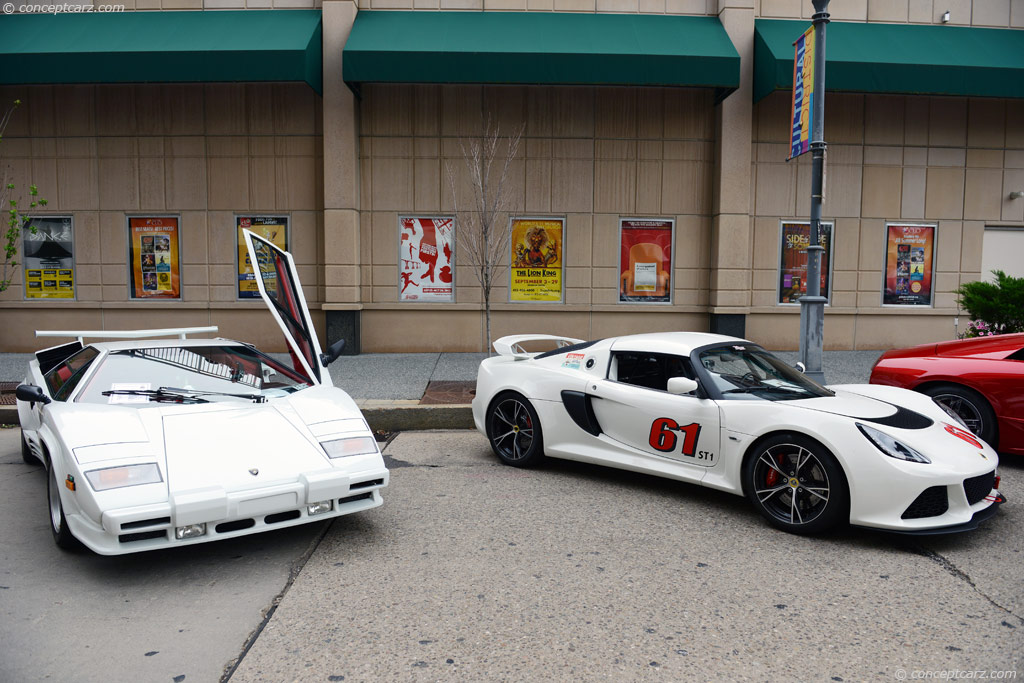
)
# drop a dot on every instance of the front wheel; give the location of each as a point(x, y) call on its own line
point(62, 536)
point(796, 484)
point(514, 430)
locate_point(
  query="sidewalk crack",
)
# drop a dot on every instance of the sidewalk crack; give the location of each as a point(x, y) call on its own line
point(958, 573)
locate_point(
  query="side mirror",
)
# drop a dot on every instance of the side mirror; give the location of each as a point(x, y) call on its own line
point(332, 353)
point(31, 393)
point(800, 366)
point(681, 385)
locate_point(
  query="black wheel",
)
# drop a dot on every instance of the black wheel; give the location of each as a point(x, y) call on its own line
point(26, 452)
point(970, 406)
point(796, 484)
point(58, 522)
point(514, 430)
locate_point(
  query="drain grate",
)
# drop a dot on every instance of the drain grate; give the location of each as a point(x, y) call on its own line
point(448, 392)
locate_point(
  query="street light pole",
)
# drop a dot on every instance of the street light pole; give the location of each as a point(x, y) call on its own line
point(812, 306)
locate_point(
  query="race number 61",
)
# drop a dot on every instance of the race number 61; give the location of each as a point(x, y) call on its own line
point(663, 436)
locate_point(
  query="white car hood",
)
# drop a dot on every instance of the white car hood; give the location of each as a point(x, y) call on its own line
point(849, 404)
point(238, 448)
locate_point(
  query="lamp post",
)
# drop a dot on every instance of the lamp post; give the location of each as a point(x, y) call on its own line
point(812, 306)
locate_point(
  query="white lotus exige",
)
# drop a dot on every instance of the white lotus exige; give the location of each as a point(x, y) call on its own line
point(723, 412)
point(162, 443)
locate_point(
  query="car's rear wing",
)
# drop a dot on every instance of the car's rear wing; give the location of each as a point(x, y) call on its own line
point(180, 332)
point(512, 345)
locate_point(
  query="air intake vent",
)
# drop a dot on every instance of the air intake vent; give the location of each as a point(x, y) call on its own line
point(931, 503)
point(977, 488)
point(143, 523)
point(236, 525)
point(141, 536)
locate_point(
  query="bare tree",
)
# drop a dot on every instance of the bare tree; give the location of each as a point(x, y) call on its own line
point(16, 219)
point(481, 228)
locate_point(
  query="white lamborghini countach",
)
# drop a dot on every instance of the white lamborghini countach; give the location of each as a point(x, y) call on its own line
point(724, 413)
point(157, 443)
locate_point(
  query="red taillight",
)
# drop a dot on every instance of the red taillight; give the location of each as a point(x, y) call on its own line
point(995, 484)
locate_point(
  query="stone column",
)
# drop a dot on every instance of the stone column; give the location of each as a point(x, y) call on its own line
point(341, 256)
point(732, 223)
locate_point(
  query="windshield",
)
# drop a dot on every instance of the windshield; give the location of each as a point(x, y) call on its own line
point(748, 372)
point(217, 373)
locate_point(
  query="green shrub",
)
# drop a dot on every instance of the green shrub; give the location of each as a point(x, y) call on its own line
point(1000, 305)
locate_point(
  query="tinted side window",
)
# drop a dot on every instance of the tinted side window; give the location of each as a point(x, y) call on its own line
point(65, 376)
point(650, 370)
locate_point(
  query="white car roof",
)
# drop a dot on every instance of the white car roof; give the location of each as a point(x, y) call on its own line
point(160, 343)
point(677, 343)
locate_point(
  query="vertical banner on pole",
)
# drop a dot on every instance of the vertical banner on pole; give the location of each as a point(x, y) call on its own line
point(803, 94)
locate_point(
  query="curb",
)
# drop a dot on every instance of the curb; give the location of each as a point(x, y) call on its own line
point(395, 418)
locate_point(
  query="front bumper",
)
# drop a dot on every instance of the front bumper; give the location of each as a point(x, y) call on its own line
point(228, 514)
point(976, 520)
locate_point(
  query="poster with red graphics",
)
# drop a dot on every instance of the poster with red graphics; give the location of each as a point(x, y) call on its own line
point(909, 265)
point(426, 251)
point(645, 260)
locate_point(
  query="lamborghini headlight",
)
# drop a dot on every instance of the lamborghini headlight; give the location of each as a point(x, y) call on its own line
point(890, 446)
point(124, 475)
point(952, 413)
point(358, 445)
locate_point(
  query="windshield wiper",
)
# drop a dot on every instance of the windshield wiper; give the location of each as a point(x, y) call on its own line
point(176, 395)
point(161, 395)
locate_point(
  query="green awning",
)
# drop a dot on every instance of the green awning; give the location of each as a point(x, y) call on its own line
point(540, 47)
point(897, 58)
point(162, 47)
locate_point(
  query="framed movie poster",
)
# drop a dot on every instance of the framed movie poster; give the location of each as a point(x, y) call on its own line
point(274, 229)
point(645, 260)
point(153, 257)
point(794, 238)
point(909, 265)
point(537, 246)
point(48, 256)
point(426, 252)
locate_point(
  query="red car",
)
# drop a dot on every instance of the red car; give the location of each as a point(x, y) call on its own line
point(981, 380)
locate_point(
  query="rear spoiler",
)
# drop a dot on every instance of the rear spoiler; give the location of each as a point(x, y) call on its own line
point(511, 345)
point(180, 332)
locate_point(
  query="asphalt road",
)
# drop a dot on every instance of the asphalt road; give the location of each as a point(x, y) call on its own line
point(475, 571)
point(155, 616)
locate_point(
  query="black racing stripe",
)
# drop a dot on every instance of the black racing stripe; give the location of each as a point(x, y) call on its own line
point(901, 419)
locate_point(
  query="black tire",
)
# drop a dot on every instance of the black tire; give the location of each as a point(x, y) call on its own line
point(796, 484)
point(514, 430)
point(970, 406)
point(26, 452)
point(62, 535)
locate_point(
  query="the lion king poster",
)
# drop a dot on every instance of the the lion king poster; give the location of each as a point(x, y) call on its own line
point(536, 252)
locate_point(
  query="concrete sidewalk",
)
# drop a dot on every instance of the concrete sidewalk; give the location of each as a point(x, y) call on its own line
point(388, 386)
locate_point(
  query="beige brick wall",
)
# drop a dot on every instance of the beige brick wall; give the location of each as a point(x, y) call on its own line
point(590, 155)
point(946, 161)
point(202, 152)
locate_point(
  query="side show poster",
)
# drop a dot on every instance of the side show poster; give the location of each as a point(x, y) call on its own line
point(49, 258)
point(274, 229)
point(426, 250)
point(153, 257)
point(537, 245)
point(645, 260)
point(794, 240)
point(909, 265)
